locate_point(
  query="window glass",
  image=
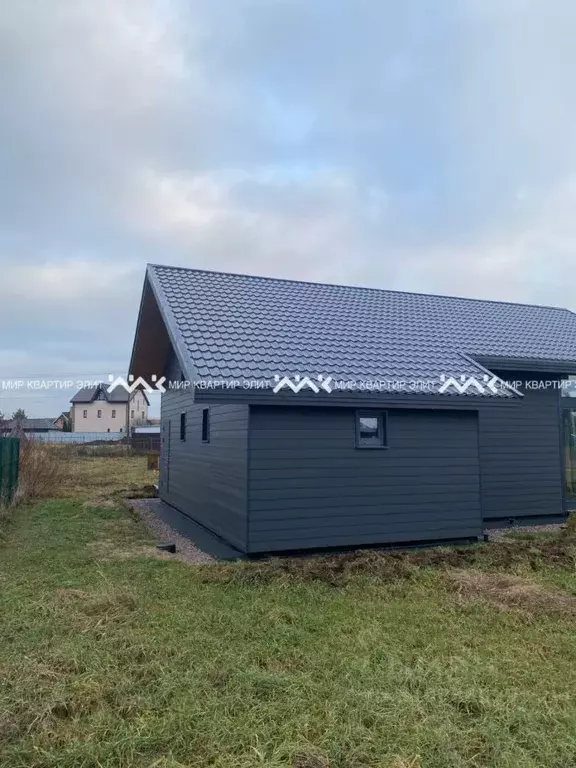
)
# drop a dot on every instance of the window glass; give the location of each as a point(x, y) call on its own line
point(206, 425)
point(370, 430)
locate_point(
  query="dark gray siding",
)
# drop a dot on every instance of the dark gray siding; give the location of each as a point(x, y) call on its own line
point(309, 486)
point(520, 456)
point(206, 481)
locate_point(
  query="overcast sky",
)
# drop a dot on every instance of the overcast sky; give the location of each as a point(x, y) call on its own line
point(418, 145)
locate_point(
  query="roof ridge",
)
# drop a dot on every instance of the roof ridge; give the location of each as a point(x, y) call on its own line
point(360, 287)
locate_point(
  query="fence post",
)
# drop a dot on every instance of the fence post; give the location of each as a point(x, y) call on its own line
point(9, 467)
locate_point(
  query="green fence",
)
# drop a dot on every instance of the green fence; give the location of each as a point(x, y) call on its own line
point(9, 467)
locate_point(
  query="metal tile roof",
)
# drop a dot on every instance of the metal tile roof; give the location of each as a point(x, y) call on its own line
point(88, 394)
point(244, 326)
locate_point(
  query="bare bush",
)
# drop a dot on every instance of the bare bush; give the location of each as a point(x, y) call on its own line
point(42, 470)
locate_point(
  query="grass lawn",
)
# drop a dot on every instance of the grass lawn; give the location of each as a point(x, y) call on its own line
point(111, 656)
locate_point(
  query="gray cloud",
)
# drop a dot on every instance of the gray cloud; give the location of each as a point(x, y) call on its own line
point(415, 146)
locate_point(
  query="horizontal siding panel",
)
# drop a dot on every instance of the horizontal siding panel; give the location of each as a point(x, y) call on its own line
point(432, 481)
point(382, 530)
point(385, 503)
point(354, 474)
point(357, 539)
point(301, 518)
point(361, 455)
point(367, 459)
point(360, 492)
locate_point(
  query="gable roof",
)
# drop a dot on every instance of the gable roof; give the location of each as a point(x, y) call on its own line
point(117, 395)
point(225, 325)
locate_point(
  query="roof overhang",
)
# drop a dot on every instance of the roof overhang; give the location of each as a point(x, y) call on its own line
point(558, 367)
point(156, 336)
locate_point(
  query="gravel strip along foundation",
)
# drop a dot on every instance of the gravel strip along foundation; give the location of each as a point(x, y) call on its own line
point(163, 533)
point(500, 534)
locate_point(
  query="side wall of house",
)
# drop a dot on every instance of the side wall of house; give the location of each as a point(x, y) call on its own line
point(520, 456)
point(112, 417)
point(310, 486)
point(206, 480)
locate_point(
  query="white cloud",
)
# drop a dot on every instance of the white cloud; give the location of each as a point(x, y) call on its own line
point(72, 281)
point(532, 260)
point(268, 219)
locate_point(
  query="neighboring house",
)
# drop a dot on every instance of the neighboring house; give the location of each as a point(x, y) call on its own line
point(29, 425)
point(413, 457)
point(94, 409)
point(64, 421)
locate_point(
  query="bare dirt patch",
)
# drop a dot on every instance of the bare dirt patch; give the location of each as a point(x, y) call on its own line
point(509, 592)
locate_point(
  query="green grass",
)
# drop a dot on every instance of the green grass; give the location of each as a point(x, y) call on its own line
point(127, 660)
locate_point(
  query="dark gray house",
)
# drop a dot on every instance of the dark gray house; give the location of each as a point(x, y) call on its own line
point(300, 415)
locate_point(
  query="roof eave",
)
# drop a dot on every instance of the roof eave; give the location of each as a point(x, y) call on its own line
point(558, 367)
point(174, 335)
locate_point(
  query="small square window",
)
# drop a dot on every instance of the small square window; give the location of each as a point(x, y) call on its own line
point(371, 429)
point(183, 427)
point(99, 414)
point(85, 414)
point(205, 425)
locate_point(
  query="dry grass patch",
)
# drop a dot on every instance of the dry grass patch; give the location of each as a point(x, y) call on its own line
point(43, 471)
point(101, 602)
point(111, 549)
point(98, 479)
point(310, 760)
point(509, 592)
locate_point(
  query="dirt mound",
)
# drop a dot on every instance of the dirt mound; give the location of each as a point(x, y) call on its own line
point(337, 569)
